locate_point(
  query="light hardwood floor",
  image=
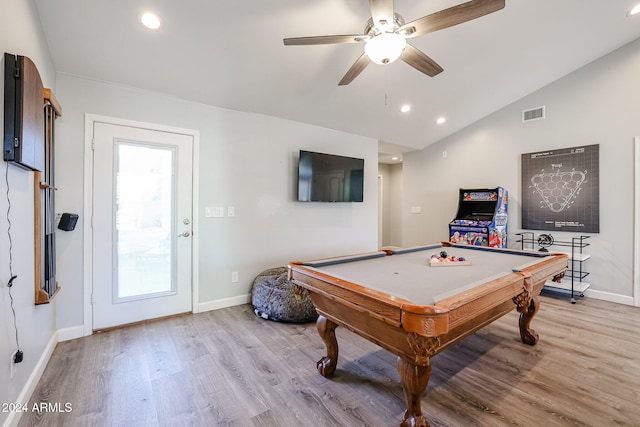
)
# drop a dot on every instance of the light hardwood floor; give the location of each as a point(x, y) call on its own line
point(230, 368)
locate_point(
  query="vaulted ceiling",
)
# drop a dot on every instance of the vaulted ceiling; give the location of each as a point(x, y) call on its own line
point(230, 53)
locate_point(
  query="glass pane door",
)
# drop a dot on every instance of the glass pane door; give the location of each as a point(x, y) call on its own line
point(141, 209)
point(144, 250)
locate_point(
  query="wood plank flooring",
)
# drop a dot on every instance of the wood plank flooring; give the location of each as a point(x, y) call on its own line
point(230, 368)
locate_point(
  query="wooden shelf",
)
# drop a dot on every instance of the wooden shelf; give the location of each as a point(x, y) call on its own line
point(49, 96)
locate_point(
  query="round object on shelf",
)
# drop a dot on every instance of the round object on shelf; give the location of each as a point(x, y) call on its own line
point(544, 241)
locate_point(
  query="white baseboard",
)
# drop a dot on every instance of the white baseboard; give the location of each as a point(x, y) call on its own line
point(28, 389)
point(66, 334)
point(608, 296)
point(223, 303)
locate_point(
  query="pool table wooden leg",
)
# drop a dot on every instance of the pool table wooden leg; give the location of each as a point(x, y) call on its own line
point(528, 335)
point(327, 330)
point(414, 382)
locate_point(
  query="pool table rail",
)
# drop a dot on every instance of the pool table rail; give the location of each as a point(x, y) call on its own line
point(379, 304)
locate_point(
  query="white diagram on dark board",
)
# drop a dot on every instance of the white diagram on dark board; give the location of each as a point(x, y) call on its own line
point(558, 189)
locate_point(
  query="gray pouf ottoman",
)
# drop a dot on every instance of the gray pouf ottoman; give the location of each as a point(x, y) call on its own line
point(272, 298)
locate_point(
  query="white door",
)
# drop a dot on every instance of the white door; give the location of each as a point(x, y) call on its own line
point(142, 215)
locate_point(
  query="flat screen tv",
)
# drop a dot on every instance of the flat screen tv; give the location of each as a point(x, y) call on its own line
point(330, 178)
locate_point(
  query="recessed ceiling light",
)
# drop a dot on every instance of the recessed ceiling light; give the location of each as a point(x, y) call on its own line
point(635, 10)
point(405, 108)
point(441, 120)
point(394, 158)
point(150, 20)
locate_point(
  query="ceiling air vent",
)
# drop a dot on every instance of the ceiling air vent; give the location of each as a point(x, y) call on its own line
point(533, 114)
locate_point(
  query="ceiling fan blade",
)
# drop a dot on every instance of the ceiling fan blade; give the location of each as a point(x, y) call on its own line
point(452, 16)
point(381, 9)
point(420, 61)
point(353, 38)
point(355, 70)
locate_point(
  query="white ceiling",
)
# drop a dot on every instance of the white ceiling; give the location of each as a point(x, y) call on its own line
point(229, 53)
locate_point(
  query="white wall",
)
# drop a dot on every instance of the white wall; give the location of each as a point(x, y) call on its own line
point(248, 161)
point(598, 104)
point(21, 34)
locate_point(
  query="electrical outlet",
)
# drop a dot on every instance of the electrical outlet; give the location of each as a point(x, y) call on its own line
point(234, 276)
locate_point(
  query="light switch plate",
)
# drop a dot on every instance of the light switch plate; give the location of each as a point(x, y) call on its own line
point(214, 212)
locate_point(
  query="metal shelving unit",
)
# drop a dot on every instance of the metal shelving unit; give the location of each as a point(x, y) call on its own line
point(573, 282)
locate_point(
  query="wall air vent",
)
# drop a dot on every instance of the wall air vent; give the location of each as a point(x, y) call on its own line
point(533, 114)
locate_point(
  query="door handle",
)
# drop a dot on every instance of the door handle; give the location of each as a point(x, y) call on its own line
point(185, 234)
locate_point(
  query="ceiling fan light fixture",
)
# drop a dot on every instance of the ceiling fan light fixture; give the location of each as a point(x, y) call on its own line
point(385, 48)
point(385, 35)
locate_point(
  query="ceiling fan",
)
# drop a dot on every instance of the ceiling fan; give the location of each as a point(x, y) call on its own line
point(386, 32)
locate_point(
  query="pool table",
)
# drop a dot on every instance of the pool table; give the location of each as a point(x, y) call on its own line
point(396, 300)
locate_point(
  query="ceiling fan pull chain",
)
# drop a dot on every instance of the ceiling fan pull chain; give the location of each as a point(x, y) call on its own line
point(385, 87)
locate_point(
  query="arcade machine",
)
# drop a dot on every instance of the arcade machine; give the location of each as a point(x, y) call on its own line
point(481, 219)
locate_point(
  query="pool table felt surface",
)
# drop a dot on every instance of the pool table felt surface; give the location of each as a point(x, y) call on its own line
point(406, 273)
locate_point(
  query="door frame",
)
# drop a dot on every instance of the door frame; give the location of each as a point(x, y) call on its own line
point(380, 211)
point(89, 121)
point(636, 221)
